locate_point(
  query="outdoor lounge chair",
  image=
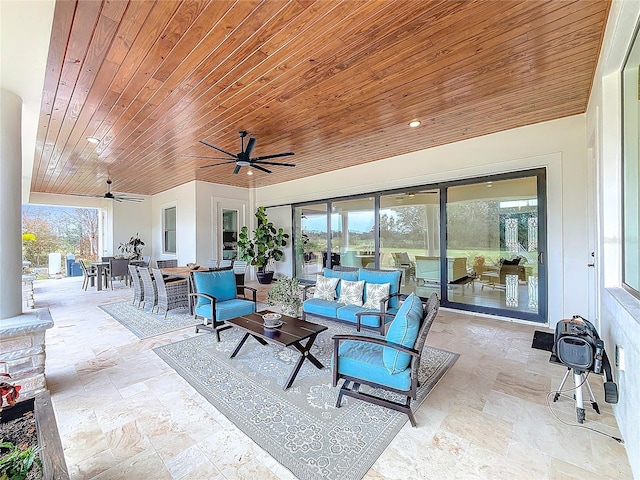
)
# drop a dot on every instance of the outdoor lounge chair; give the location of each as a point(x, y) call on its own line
point(389, 363)
point(216, 300)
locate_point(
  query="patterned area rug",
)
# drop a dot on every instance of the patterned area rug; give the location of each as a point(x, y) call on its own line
point(300, 427)
point(145, 324)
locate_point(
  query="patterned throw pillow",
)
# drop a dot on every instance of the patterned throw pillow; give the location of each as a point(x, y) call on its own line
point(351, 292)
point(374, 293)
point(325, 288)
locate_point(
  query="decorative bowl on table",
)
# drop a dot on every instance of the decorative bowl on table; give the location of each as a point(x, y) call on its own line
point(271, 320)
point(193, 266)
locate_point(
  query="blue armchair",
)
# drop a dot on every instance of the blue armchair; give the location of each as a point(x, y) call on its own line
point(390, 363)
point(216, 300)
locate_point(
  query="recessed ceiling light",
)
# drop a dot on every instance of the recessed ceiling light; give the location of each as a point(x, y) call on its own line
point(249, 172)
point(93, 140)
point(414, 124)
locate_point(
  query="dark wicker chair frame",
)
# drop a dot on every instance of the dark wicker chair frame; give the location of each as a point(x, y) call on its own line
point(216, 325)
point(138, 291)
point(351, 385)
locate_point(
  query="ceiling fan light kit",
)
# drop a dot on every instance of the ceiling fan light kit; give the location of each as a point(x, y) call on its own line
point(244, 159)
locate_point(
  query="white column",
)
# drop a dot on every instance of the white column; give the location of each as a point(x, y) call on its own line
point(10, 204)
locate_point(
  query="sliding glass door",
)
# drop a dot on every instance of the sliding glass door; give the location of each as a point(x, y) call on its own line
point(493, 245)
point(477, 243)
point(310, 240)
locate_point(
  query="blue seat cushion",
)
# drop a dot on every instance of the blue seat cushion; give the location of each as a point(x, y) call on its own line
point(319, 306)
point(352, 276)
point(348, 313)
point(392, 277)
point(364, 360)
point(221, 284)
point(404, 331)
point(227, 309)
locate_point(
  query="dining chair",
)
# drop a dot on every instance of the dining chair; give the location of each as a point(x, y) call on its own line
point(173, 263)
point(150, 294)
point(138, 291)
point(239, 269)
point(88, 273)
point(225, 263)
point(213, 263)
point(118, 268)
point(171, 295)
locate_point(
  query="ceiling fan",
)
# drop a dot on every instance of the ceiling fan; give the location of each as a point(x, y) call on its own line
point(118, 197)
point(243, 158)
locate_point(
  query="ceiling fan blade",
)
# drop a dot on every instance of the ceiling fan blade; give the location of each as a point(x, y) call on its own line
point(276, 163)
point(237, 169)
point(260, 168)
point(122, 198)
point(275, 155)
point(250, 144)
point(203, 156)
point(216, 164)
point(218, 148)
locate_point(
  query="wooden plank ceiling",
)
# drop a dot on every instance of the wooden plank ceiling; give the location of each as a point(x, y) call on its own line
point(336, 82)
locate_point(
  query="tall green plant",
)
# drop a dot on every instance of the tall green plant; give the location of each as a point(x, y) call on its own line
point(266, 244)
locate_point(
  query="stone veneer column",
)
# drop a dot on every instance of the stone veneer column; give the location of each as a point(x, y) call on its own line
point(10, 205)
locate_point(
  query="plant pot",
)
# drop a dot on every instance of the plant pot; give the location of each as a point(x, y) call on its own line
point(265, 278)
point(51, 455)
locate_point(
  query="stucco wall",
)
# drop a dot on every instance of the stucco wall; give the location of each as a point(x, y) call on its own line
point(211, 199)
point(558, 145)
point(184, 199)
point(620, 311)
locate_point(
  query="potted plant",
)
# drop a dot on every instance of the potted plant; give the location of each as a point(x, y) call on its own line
point(286, 293)
point(133, 248)
point(264, 248)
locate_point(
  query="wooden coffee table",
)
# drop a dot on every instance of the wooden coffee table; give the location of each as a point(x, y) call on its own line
point(291, 333)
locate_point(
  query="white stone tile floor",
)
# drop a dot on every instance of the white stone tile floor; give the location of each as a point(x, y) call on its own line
point(123, 413)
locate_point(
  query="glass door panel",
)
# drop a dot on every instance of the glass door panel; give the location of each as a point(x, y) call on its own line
point(353, 233)
point(310, 239)
point(229, 234)
point(410, 239)
point(492, 245)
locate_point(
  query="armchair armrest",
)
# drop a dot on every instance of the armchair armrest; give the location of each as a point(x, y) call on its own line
point(376, 341)
point(252, 290)
point(381, 314)
point(306, 288)
point(212, 299)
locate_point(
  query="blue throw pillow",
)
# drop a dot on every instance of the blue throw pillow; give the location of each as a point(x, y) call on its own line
point(392, 277)
point(404, 331)
point(220, 284)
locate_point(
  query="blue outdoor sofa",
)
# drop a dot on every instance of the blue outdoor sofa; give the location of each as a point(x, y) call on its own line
point(329, 307)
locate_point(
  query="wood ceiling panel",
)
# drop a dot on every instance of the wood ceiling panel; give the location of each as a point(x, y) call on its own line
point(334, 81)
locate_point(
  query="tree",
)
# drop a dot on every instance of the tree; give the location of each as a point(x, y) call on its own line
point(46, 241)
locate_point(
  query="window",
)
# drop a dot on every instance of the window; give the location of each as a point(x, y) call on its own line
point(631, 171)
point(169, 230)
